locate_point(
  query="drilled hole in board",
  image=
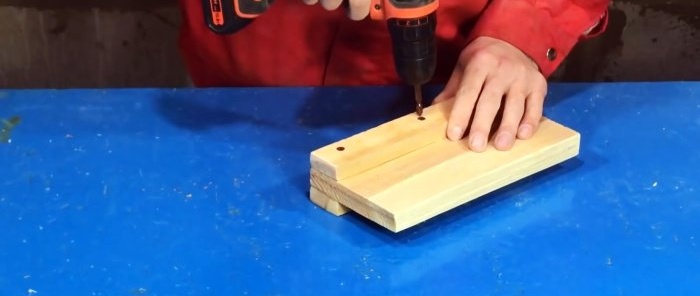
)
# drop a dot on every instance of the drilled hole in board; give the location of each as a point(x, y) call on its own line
point(421, 118)
point(340, 148)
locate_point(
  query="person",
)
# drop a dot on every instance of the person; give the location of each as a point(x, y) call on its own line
point(491, 53)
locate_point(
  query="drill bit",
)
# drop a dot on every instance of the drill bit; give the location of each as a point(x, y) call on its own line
point(418, 92)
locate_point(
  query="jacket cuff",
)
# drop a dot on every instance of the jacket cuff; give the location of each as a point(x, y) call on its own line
point(545, 32)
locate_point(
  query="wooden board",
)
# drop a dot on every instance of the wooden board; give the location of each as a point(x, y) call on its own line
point(383, 143)
point(405, 171)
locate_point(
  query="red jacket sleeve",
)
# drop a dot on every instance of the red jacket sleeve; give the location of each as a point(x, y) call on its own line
point(545, 30)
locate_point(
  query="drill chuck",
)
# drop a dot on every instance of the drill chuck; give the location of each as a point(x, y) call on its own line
point(414, 48)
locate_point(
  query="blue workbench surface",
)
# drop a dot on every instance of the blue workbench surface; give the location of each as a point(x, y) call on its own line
point(204, 192)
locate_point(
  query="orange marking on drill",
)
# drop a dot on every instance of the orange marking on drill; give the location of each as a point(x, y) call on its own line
point(217, 14)
point(384, 10)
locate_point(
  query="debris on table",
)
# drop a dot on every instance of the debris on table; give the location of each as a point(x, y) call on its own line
point(6, 127)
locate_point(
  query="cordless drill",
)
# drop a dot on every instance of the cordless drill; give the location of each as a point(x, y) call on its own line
point(411, 24)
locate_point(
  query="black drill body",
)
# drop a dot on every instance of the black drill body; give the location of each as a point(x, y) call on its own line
point(414, 47)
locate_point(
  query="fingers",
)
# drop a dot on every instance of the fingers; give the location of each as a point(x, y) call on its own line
point(512, 115)
point(331, 4)
point(359, 9)
point(487, 107)
point(533, 111)
point(493, 76)
point(451, 87)
point(465, 99)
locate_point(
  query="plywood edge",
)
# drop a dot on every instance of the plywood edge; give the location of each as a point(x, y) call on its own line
point(323, 201)
point(336, 191)
point(373, 147)
point(323, 166)
point(463, 192)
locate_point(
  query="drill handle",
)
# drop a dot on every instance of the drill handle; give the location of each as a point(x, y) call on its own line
point(230, 16)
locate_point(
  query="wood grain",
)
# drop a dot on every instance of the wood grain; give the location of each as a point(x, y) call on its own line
point(428, 175)
point(378, 145)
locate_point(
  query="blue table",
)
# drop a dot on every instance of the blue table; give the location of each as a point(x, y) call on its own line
point(204, 192)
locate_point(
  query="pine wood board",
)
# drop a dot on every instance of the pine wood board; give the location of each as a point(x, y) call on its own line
point(399, 184)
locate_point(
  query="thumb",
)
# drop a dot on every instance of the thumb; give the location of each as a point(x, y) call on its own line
point(450, 88)
point(358, 9)
point(331, 4)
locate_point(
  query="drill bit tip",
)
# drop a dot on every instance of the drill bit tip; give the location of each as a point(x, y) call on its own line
point(418, 92)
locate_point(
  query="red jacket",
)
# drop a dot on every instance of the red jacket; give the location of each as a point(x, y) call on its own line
point(294, 44)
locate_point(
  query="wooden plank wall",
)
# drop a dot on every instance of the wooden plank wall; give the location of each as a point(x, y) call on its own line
point(101, 44)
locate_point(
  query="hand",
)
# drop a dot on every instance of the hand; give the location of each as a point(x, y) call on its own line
point(357, 9)
point(491, 73)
